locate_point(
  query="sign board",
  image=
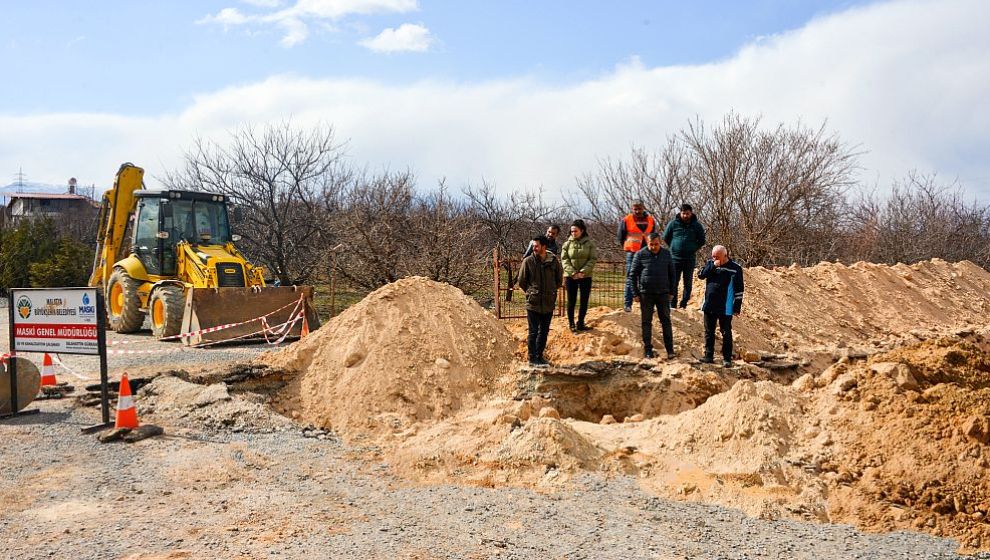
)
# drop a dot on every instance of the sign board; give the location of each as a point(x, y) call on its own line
point(59, 321)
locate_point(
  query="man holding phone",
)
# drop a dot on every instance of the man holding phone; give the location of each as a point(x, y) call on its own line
point(723, 299)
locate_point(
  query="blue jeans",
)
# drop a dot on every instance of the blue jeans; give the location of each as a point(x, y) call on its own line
point(629, 286)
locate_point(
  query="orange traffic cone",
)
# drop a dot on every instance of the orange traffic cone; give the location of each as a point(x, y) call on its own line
point(48, 372)
point(126, 412)
point(305, 327)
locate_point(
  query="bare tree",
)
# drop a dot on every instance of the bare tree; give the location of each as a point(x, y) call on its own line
point(374, 225)
point(772, 196)
point(509, 221)
point(282, 177)
point(661, 180)
point(920, 219)
point(449, 246)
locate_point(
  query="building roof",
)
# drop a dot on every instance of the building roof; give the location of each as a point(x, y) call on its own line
point(53, 196)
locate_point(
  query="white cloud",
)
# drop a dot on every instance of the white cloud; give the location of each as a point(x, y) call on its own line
point(905, 81)
point(407, 37)
point(294, 19)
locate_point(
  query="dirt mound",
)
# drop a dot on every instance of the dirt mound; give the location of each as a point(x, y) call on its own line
point(413, 350)
point(172, 402)
point(813, 310)
point(912, 441)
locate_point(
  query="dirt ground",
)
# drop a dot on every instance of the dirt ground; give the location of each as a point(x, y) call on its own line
point(409, 427)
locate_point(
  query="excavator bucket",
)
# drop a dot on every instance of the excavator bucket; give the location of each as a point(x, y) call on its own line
point(215, 315)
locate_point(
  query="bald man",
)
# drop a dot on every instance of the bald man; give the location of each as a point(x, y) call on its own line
point(723, 299)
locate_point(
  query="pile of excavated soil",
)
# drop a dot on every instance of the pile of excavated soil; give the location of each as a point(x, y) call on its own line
point(414, 350)
point(898, 441)
point(911, 447)
point(175, 403)
point(812, 310)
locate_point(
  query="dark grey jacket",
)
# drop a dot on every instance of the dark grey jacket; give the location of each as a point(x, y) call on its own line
point(540, 280)
point(652, 273)
point(684, 239)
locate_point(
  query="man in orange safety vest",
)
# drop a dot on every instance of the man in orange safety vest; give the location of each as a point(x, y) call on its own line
point(632, 233)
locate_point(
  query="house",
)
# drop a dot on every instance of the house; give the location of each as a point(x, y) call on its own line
point(60, 207)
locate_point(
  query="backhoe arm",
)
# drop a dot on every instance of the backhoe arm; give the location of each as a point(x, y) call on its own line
point(117, 207)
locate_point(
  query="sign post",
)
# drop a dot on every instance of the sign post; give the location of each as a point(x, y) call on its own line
point(59, 321)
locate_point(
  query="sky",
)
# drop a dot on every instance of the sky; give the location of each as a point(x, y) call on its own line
point(528, 95)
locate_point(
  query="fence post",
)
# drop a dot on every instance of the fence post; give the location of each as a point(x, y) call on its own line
point(497, 283)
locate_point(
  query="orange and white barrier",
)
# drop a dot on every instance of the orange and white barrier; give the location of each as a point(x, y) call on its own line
point(126, 411)
point(48, 372)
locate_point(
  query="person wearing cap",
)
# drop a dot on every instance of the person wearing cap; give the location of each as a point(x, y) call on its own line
point(631, 234)
point(685, 236)
point(653, 275)
point(723, 299)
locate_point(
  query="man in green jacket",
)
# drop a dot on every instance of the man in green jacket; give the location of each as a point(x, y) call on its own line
point(684, 235)
point(540, 276)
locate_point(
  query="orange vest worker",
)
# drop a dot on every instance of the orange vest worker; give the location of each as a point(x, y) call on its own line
point(635, 237)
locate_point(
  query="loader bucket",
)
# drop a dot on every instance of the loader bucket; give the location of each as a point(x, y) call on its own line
point(239, 311)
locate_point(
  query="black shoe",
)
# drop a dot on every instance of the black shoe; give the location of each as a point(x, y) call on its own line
point(707, 360)
point(726, 363)
point(544, 363)
point(572, 327)
point(683, 305)
point(583, 327)
point(671, 355)
point(648, 354)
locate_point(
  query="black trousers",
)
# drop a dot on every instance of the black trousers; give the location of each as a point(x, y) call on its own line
point(660, 302)
point(582, 286)
point(683, 269)
point(725, 326)
point(539, 328)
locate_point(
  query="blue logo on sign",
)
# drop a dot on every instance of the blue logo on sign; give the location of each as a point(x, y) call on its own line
point(87, 309)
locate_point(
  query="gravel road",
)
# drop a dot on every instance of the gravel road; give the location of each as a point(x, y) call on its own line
point(281, 495)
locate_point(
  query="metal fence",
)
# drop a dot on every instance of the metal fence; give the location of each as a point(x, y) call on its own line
point(608, 286)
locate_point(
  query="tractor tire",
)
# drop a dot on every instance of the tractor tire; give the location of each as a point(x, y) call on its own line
point(123, 303)
point(166, 307)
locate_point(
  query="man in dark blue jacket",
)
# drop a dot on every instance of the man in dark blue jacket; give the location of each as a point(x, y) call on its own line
point(684, 235)
point(652, 275)
point(723, 299)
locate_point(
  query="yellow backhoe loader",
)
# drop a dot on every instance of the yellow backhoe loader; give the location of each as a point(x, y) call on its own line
point(170, 254)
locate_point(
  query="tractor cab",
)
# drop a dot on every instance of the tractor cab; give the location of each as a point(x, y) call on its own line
point(167, 218)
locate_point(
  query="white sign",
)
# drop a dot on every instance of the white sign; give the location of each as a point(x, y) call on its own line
point(58, 321)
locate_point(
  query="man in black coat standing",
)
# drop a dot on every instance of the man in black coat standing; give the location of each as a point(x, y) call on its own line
point(723, 299)
point(652, 277)
point(684, 235)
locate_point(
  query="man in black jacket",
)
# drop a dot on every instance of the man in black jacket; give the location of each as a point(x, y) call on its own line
point(540, 276)
point(684, 235)
point(552, 232)
point(652, 277)
point(723, 299)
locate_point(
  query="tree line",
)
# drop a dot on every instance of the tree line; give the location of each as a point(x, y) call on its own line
point(775, 195)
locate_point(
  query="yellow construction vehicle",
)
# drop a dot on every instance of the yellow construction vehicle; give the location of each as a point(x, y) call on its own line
point(170, 254)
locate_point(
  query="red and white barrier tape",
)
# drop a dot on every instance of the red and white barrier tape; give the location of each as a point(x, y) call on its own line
point(277, 329)
point(58, 360)
point(208, 330)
